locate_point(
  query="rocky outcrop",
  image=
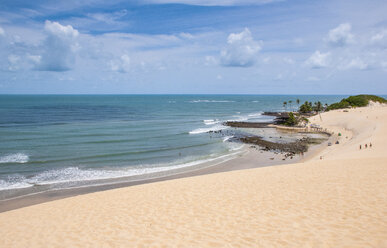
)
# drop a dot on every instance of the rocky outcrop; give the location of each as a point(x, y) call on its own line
point(247, 124)
point(296, 147)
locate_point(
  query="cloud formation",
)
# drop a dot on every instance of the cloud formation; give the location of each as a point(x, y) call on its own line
point(2, 32)
point(241, 50)
point(380, 39)
point(341, 35)
point(355, 63)
point(59, 48)
point(318, 60)
point(121, 65)
point(213, 2)
point(13, 61)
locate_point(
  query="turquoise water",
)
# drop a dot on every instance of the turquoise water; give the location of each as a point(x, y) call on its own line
point(59, 140)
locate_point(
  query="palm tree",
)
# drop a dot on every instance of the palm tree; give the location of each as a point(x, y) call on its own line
point(298, 102)
point(319, 106)
point(285, 103)
point(290, 103)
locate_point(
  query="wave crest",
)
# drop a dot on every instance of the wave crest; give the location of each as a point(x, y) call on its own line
point(211, 122)
point(209, 101)
point(208, 129)
point(19, 158)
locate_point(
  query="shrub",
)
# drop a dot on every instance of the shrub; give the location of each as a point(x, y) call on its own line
point(291, 121)
point(306, 107)
point(356, 101)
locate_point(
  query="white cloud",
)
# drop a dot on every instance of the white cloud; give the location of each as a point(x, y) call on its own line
point(213, 2)
point(380, 39)
point(340, 36)
point(2, 32)
point(241, 50)
point(266, 60)
point(186, 35)
point(109, 18)
point(143, 41)
point(59, 47)
point(318, 60)
point(13, 61)
point(298, 41)
point(121, 65)
point(288, 61)
point(210, 60)
point(35, 59)
point(384, 65)
point(313, 79)
point(279, 77)
point(355, 63)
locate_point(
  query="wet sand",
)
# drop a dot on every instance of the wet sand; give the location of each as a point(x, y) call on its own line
point(240, 162)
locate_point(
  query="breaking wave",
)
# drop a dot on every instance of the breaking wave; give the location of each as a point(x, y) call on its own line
point(19, 158)
point(209, 129)
point(211, 122)
point(75, 174)
point(209, 101)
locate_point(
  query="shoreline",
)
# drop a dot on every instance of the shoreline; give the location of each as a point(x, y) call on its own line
point(336, 201)
point(248, 158)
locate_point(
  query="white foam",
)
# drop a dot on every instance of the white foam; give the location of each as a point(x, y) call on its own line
point(208, 129)
point(255, 101)
point(14, 182)
point(257, 117)
point(236, 146)
point(227, 138)
point(255, 114)
point(209, 101)
point(19, 158)
point(239, 118)
point(211, 122)
point(75, 174)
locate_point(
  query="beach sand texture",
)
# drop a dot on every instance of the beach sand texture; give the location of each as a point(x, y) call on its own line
point(339, 201)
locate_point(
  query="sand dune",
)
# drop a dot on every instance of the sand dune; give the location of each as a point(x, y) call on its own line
point(339, 201)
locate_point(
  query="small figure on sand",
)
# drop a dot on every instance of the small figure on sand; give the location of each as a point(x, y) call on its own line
point(321, 157)
point(360, 147)
point(370, 145)
point(365, 146)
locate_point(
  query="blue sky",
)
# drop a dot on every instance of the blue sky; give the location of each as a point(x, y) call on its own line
point(193, 46)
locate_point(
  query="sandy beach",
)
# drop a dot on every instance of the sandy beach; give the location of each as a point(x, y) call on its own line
point(335, 198)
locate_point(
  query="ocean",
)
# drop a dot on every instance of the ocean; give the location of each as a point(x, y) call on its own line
point(50, 142)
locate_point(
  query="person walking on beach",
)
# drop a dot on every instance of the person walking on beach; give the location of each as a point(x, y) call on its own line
point(365, 146)
point(360, 147)
point(370, 145)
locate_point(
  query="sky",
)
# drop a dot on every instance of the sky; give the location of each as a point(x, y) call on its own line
point(193, 47)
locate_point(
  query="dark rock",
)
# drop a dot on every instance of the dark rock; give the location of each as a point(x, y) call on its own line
point(246, 124)
point(290, 149)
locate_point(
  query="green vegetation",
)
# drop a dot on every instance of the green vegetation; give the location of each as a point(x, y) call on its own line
point(318, 107)
point(292, 120)
point(308, 107)
point(284, 104)
point(304, 119)
point(356, 101)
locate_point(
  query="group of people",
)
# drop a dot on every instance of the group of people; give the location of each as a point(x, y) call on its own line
point(366, 145)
